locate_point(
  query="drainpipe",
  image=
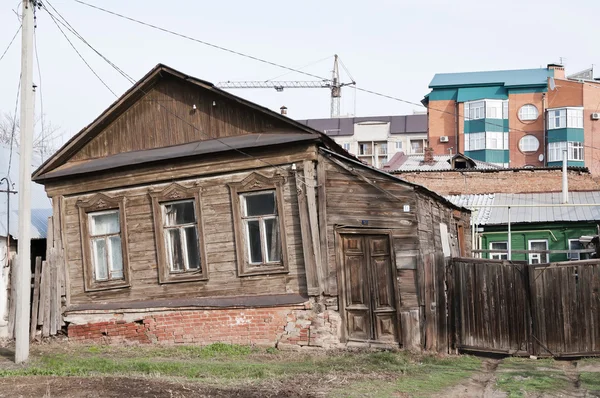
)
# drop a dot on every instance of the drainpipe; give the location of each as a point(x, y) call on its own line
point(544, 140)
point(509, 237)
point(456, 121)
point(565, 180)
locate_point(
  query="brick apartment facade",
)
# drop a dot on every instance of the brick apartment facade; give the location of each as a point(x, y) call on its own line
point(516, 118)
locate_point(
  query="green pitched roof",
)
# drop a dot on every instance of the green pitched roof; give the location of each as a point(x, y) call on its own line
point(506, 78)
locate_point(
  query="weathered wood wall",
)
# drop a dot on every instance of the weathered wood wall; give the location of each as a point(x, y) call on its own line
point(149, 123)
point(218, 235)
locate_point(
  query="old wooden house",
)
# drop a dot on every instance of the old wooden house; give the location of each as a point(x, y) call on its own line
point(189, 215)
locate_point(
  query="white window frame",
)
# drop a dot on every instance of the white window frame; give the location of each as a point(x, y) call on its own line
point(573, 256)
point(423, 142)
point(569, 117)
point(537, 256)
point(384, 146)
point(486, 108)
point(399, 145)
point(182, 238)
point(575, 151)
point(346, 146)
point(499, 256)
point(108, 245)
point(494, 109)
point(526, 143)
point(528, 112)
point(261, 224)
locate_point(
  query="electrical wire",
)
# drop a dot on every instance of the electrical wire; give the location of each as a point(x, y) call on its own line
point(300, 68)
point(11, 42)
point(14, 127)
point(199, 41)
point(81, 56)
point(39, 86)
point(131, 80)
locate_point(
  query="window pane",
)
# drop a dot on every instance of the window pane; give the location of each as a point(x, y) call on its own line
point(193, 251)
point(174, 249)
point(116, 257)
point(253, 238)
point(499, 245)
point(538, 245)
point(104, 223)
point(179, 213)
point(260, 204)
point(99, 258)
point(273, 243)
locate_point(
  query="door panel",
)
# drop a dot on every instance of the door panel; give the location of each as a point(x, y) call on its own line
point(370, 299)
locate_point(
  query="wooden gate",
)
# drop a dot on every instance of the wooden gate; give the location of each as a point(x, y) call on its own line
point(490, 305)
point(520, 309)
point(566, 308)
point(369, 288)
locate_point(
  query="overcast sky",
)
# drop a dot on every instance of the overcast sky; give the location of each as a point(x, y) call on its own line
point(393, 47)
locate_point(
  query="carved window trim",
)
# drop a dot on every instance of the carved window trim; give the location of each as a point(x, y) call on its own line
point(100, 202)
point(253, 183)
point(173, 193)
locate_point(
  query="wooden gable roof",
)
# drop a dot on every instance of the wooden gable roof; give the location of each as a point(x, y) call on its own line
point(168, 108)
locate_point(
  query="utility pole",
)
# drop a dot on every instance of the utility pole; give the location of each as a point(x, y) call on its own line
point(23, 271)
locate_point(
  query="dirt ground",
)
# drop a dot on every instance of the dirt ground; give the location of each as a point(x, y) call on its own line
point(90, 387)
point(497, 378)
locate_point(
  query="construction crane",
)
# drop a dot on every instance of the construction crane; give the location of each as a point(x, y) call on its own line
point(334, 85)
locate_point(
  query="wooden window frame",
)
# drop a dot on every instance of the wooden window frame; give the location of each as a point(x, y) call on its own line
point(256, 182)
point(99, 203)
point(177, 193)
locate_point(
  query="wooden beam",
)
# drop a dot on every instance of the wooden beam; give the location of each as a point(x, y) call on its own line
point(310, 182)
point(36, 297)
point(312, 280)
point(329, 281)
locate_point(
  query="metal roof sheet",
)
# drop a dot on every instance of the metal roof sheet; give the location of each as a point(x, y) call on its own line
point(181, 151)
point(507, 78)
point(441, 162)
point(40, 204)
point(538, 214)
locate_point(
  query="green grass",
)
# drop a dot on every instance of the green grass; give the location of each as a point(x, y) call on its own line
point(590, 381)
point(519, 376)
point(418, 378)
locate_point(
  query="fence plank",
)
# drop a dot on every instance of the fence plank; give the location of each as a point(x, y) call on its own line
point(35, 305)
point(12, 307)
point(45, 298)
point(53, 303)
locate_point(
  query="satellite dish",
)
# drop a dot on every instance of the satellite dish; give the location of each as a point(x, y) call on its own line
point(541, 157)
point(552, 84)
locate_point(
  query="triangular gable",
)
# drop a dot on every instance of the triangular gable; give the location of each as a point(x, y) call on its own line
point(167, 108)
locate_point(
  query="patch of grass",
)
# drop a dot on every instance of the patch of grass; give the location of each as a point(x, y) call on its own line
point(520, 382)
point(590, 381)
point(418, 377)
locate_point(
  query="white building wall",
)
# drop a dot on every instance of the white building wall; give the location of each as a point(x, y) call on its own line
point(4, 278)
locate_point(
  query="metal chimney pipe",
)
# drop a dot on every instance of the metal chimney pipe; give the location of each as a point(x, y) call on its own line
point(565, 181)
point(283, 110)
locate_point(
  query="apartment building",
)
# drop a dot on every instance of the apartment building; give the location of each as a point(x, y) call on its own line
point(516, 118)
point(376, 139)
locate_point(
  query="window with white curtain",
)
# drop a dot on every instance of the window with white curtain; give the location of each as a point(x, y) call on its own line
point(496, 140)
point(476, 110)
point(398, 145)
point(180, 229)
point(476, 141)
point(261, 227)
point(528, 112)
point(494, 109)
point(565, 117)
point(529, 143)
point(105, 237)
point(574, 151)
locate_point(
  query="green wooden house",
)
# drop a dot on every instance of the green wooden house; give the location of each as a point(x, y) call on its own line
point(546, 224)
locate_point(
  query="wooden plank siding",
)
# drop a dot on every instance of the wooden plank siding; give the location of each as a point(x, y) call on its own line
point(164, 116)
point(219, 241)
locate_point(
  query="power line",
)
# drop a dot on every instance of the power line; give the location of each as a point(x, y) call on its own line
point(11, 42)
point(300, 67)
point(79, 54)
point(129, 78)
point(199, 41)
point(14, 127)
point(37, 60)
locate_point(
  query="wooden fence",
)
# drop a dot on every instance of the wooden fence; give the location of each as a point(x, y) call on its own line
point(46, 297)
point(521, 309)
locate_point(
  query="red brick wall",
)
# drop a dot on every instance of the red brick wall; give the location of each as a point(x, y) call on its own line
point(441, 121)
point(295, 325)
point(523, 181)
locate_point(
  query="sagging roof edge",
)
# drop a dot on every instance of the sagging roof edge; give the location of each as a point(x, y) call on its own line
point(81, 138)
point(417, 187)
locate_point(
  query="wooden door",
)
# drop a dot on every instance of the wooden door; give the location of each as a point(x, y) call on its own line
point(369, 294)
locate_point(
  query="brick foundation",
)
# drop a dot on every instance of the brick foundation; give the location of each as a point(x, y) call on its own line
point(284, 327)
